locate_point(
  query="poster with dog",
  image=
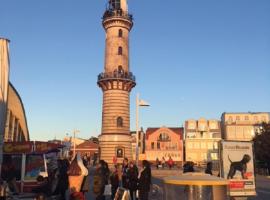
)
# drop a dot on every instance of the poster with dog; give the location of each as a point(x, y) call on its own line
point(238, 167)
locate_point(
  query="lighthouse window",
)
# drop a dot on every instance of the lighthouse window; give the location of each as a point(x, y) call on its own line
point(120, 50)
point(119, 122)
point(120, 33)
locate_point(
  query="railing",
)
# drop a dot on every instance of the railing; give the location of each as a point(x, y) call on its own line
point(117, 75)
point(117, 13)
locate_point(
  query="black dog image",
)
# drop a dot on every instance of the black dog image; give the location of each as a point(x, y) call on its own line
point(239, 166)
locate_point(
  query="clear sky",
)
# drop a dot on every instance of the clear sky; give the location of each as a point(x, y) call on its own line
point(192, 59)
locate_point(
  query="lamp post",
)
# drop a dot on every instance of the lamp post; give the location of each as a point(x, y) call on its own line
point(74, 141)
point(139, 103)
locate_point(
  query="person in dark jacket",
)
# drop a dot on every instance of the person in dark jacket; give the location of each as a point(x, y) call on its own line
point(209, 167)
point(124, 174)
point(188, 167)
point(63, 166)
point(133, 179)
point(116, 179)
point(99, 180)
point(145, 181)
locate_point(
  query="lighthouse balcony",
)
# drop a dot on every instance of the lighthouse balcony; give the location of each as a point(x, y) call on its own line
point(110, 13)
point(125, 76)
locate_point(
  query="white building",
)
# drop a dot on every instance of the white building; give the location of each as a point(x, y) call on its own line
point(242, 126)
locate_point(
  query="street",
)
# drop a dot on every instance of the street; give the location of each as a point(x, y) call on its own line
point(262, 185)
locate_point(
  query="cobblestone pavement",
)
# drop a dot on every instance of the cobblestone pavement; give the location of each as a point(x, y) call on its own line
point(262, 185)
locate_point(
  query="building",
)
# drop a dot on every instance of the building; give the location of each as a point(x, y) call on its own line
point(201, 141)
point(16, 123)
point(164, 142)
point(116, 83)
point(141, 143)
point(4, 80)
point(88, 148)
point(242, 126)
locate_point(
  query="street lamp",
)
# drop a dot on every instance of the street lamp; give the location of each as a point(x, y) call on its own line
point(74, 141)
point(139, 102)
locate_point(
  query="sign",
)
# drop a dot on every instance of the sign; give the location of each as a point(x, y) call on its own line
point(17, 147)
point(238, 167)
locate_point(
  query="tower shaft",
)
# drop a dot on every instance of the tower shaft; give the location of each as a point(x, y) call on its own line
point(116, 83)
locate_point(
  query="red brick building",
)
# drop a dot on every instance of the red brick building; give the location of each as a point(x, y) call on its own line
point(164, 142)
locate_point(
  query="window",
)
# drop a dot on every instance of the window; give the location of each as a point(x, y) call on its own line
point(152, 145)
point(120, 69)
point(210, 145)
point(237, 118)
point(246, 118)
point(120, 50)
point(158, 145)
point(119, 122)
point(120, 33)
point(34, 164)
point(203, 145)
point(164, 137)
point(214, 156)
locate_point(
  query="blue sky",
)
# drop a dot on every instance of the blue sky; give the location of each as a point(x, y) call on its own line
point(192, 59)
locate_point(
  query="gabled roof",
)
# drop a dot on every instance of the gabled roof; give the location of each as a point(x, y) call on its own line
point(87, 145)
point(178, 130)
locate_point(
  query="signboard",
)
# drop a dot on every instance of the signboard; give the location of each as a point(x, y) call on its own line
point(17, 147)
point(238, 167)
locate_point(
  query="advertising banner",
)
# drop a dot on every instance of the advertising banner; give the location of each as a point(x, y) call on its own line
point(238, 167)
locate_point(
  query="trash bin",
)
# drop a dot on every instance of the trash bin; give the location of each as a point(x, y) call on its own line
point(195, 186)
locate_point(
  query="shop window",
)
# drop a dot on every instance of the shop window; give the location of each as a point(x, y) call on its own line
point(33, 166)
point(13, 162)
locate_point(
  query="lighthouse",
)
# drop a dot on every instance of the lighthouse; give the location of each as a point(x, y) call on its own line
point(116, 82)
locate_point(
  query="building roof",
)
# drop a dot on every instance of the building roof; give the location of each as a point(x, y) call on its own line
point(245, 113)
point(87, 145)
point(178, 130)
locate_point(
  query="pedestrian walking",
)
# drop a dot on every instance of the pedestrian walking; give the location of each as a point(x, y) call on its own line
point(125, 174)
point(99, 180)
point(133, 179)
point(188, 167)
point(116, 179)
point(209, 167)
point(157, 163)
point(163, 162)
point(170, 162)
point(145, 181)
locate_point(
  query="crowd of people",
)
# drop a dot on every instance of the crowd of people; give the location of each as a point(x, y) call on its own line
point(126, 176)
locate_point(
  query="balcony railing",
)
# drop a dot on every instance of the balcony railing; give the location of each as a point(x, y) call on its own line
point(117, 13)
point(117, 75)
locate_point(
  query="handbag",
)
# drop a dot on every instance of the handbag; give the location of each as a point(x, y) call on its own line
point(108, 190)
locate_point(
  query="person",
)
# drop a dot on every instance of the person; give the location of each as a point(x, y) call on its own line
point(163, 162)
point(114, 160)
point(209, 167)
point(188, 167)
point(99, 180)
point(157, 163)
point(9, 174)
point(62, 187)
point(124, 173)
point(145, 181)
point(116, 179)
point(86, 180)
point(170, 162)
point(133, 179)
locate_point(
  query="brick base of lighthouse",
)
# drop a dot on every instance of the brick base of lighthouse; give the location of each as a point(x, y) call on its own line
point(112, 145)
